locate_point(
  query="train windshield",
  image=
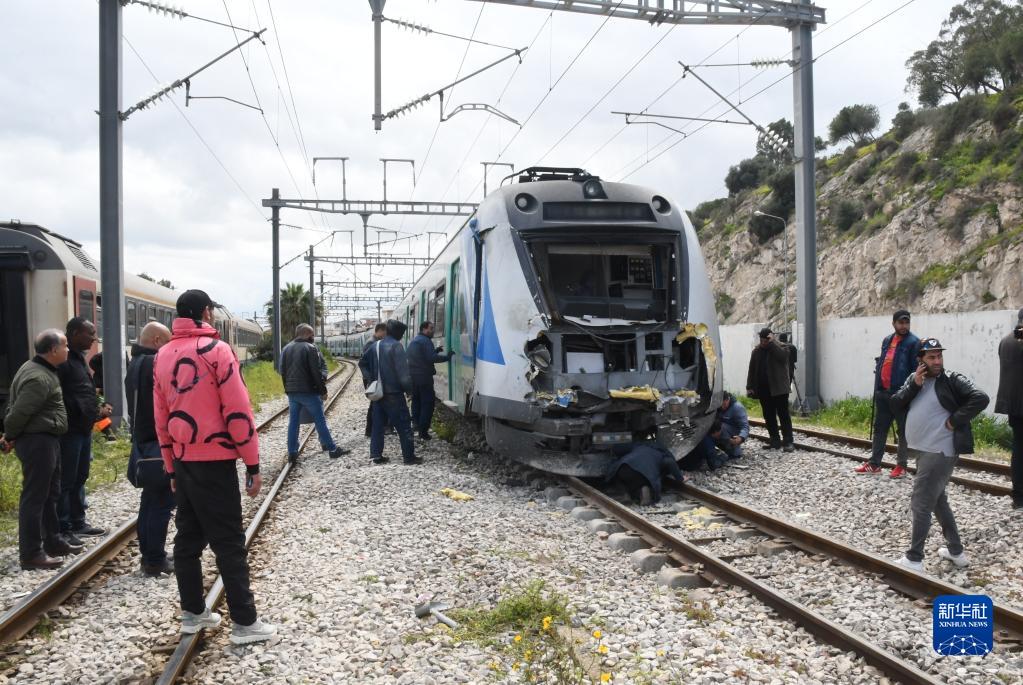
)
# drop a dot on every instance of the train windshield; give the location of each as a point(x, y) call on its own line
point(605, 280)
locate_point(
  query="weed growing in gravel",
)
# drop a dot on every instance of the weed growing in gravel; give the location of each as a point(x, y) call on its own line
point(445, 430)
point(697, 611)
point(531, 630)
point(44, 628)
point(263, 382)
point(371, 578)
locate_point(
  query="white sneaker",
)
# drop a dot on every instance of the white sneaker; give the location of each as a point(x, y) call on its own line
point(193, 623)
point(917, 566)
point(257, 632)
point(959, 560)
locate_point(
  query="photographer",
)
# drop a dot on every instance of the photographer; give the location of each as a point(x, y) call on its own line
point(1010, 401)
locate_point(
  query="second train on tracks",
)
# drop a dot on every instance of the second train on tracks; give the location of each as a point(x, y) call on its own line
point(579, 316)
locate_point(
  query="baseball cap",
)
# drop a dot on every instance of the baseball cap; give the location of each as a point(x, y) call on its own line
point(929, 345)
point(764, 332)
point(192, 303)
point(900, 314)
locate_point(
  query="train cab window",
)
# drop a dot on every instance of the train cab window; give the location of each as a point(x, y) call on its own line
point(130, 320)
point(87, 305)
point(605, 280)
point(168, 318)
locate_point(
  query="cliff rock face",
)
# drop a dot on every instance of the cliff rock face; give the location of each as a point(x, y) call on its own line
point(899, 225)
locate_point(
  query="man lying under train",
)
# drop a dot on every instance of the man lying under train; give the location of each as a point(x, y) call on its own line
point(640, 468)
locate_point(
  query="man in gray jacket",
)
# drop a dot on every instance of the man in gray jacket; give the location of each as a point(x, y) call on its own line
point(940, 405)
point(34, 421)
point(305, 381)
point(768, 381)
point(1010, 401)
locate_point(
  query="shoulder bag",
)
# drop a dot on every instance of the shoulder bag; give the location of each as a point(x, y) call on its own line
point(375, 390)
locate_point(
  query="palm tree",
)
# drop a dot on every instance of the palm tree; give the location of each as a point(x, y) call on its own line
point(294, 308)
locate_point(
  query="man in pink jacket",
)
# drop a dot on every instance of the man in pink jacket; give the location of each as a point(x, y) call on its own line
point(204, 423)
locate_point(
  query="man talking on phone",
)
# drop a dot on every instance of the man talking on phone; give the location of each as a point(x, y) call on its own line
point(204, 424)
point(939, 406)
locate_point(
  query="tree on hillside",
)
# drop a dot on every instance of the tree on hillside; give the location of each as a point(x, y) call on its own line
point(165, 282)
point(147, 277)
point(749, 173)
point(294, 308)
point(855, 123)
point(979, 49)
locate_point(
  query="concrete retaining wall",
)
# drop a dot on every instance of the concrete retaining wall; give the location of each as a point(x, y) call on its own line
point(848, 348)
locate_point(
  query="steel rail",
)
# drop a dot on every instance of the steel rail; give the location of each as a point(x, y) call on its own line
point(21, 618)
point(685, 552)
point(980, 485)
point(904, 580)
point(971, 463)
point(189, 644)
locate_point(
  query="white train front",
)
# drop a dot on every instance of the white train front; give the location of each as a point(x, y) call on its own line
point(579, 316)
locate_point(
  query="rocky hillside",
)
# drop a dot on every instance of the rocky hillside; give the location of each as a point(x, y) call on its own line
point(929, 216)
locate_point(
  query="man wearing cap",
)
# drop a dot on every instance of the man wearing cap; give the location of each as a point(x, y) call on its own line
point(204, 423)
point(768, 381)
point(939, 406)
point(891, 369)
point(1010, 401)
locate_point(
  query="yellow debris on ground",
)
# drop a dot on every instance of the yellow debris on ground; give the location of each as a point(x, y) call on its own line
point(456, 495)
point(644, 393)
point(695, 518)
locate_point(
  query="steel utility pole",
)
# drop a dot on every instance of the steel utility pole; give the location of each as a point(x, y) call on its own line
point(111, 233)
point(312, 292)
point(275, 323)
point(378, 17)
point(323, 318)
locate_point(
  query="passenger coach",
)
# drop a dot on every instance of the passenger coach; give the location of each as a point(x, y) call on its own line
point(579, 315)
point(46, 279)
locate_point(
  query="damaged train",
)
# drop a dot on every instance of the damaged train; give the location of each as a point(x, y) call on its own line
point(579, 316)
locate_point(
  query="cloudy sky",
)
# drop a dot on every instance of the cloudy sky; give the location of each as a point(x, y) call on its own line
point(194, 176)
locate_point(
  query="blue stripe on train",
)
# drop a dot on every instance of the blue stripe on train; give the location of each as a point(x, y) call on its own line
point(489, 348)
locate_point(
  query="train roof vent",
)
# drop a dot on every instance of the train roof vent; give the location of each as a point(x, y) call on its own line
point(82, 257)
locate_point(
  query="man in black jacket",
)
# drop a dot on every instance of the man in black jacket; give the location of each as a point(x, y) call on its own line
point(768, 381)
point(83, 410)
point(392, 372)
point(157, 500)
point(379, 331)
point(305, 381)
point(1010, 401)
point(939, 406)
point(640, 468)
point(422, 358)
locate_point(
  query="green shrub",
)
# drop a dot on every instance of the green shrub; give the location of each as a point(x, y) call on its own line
point(845, 214)
point(263, 382)
point(904, 164)
point(886, 146)
point(1003, 114)
point(955, 118)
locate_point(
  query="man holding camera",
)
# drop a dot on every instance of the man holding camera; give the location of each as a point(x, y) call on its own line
point(1010, 401)
point(422, 356)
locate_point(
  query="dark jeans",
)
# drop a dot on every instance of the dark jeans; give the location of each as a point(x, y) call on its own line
point(776, 409)
point(1016, 424)
point(391, 409)
point(75, 458)
point(312, 403)
point(883, 418)
point(423, 400)
point(705, 451)
point(933, 471)
point(155, 507)
point(39, 454)
point(210, 512)
point(633, 480)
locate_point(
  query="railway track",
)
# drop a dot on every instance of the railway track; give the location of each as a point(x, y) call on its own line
point(967, 463)
point(188, 645)
point(21, 618)
point(690, 554)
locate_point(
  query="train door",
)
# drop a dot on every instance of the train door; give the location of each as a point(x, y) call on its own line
point(14, 335)
point(87, 306)
point(437, 314)
point(456, 331)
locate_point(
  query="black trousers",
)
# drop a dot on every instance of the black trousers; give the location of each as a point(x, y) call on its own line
point(633, 480)
point(155, 508)
point(210, 512)
point(883, 419)
point(776, 410)
point(423, 401)
point(1016, 423)
point(39, 454)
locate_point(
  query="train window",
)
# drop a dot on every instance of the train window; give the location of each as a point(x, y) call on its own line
point(87, 305)
point(457, 306)
point(438, 309)
point(130, 319)
point(611, 281)
point(168, 318)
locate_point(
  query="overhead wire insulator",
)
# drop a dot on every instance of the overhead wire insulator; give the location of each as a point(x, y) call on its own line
point(764, 63)
point(159, 8)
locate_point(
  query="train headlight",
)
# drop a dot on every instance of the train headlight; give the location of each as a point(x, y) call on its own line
point(661, 206)
point(525, 202)
point(592, 190)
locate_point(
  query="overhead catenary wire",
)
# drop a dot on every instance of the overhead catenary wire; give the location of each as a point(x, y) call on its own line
point(780, 80)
